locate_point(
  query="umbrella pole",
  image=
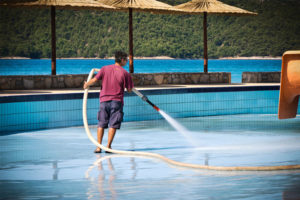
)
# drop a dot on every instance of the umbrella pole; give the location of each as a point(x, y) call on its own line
point(53, 42)
point(131, 70)
point(205, 41)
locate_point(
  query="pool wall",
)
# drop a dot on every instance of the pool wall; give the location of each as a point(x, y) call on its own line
point(44, 111)
point(28, 82)
point(261, 77)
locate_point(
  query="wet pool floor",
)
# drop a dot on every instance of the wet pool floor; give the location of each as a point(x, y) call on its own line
point(60, 163)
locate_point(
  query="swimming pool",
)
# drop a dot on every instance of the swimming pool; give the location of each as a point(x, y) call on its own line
point(60, 163)
point(234, 126)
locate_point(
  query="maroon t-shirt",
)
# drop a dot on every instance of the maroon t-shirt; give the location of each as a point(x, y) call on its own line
point(114, 80)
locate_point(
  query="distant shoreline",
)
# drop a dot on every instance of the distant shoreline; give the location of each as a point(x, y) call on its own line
point(152, 58)
point(251, 58)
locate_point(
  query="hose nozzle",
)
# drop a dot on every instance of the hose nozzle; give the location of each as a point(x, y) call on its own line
point(143, 97)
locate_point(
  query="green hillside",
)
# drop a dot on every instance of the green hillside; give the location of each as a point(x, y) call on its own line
point(26, 32)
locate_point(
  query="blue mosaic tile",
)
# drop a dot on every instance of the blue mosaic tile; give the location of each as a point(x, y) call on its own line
point(34, 112)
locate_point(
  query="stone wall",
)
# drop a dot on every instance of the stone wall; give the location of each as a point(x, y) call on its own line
point(261, 77)
point(141, 79)
point(41, 82)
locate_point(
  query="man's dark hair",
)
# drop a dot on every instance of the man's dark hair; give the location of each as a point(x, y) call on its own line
point(119, 55)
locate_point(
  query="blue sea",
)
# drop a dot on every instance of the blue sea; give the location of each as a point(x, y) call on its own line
point(83, 66)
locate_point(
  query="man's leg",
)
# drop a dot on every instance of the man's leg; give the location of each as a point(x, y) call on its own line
point(115, 120)
point(100, 133)
point(111, 135)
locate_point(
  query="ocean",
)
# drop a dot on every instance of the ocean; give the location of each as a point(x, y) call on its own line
point(83, 66)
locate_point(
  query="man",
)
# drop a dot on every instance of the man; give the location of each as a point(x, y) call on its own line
point(114, 80)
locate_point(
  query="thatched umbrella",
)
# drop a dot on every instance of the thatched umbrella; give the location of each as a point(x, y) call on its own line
point(152, 6)
point(62, 4)
point(211, 7)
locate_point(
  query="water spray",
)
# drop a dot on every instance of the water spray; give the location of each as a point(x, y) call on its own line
point(177, 126)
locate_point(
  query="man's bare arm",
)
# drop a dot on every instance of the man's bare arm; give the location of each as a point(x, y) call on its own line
point(88, 84)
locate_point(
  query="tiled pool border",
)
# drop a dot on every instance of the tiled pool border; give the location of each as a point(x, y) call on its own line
point(57, 109)
point(65, 96)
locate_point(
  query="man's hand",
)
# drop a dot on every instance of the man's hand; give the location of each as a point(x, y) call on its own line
point(85, 85)
point(88, 84)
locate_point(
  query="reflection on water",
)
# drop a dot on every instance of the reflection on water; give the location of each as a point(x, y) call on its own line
point(55, 168)
point(133, 164)
point(206, 159)
point(101, 185)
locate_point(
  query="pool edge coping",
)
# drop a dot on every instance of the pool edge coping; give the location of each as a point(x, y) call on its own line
point(65, 94)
